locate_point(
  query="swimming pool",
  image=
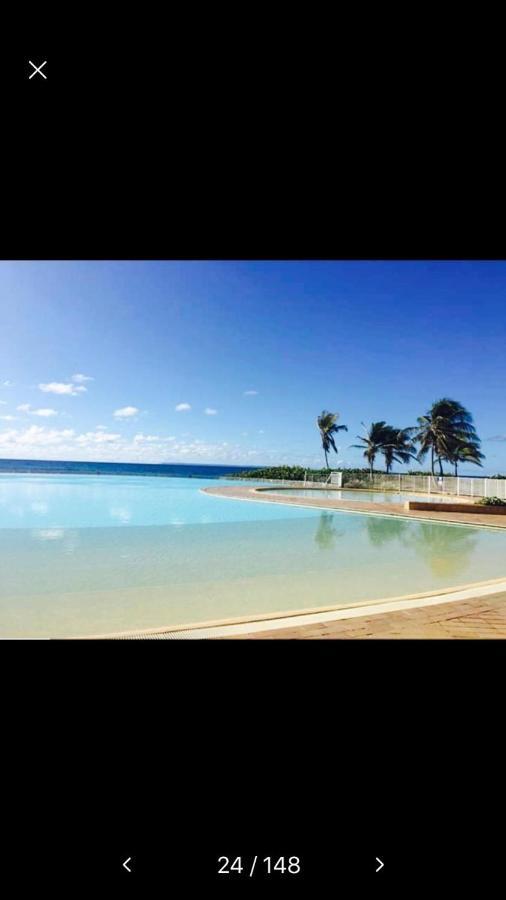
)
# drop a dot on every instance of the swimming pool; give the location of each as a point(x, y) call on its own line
point(362, 496)
point(82, 554)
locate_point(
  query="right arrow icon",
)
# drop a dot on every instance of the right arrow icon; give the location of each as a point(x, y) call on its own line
point(380, 864)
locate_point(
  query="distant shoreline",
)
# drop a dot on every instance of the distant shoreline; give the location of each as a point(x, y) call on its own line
point(81, 467)
point(162, 470)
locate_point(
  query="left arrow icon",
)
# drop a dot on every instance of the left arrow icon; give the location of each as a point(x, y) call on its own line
point(125, 864)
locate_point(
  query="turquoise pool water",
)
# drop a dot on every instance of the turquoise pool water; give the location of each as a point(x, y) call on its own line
point(362, 496)
point(84, 555)
point(42, 502)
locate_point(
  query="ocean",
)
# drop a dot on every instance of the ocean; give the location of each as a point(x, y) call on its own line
point(166, 470)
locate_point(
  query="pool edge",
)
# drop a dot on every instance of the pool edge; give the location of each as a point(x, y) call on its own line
point(293, 618)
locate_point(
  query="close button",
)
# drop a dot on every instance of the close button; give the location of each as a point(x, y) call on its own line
point(37, 70)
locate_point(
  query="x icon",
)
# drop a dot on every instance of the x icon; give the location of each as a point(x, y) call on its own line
point(37, 69)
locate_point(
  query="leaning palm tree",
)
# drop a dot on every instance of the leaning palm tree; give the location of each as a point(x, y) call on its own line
point(326, 424)
point(446, 423)
point(375, 438)
point(398, 447)
point(465, 452)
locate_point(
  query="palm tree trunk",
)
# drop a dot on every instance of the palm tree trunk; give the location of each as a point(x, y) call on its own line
point(432, 460)
point(326, 459)
point(456, 472)
point(440, 466)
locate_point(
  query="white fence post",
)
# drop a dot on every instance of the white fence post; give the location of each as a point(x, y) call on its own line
point(461, 486)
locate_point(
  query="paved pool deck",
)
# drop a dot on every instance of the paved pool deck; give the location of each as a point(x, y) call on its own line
point(262, 495)
point(454, 615)
point(482, 618)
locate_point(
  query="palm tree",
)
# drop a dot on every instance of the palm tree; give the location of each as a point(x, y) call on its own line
point(465, 452)
point(326, 423)
point(445, 424)
point(398, 447)
point(376, 436)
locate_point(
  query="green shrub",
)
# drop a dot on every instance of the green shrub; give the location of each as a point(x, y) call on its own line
point(287, 473)
point(491, 501)
point(351, 477)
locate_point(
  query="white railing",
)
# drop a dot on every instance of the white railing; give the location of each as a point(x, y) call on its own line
point(448, 485)
point(283, 482)
point(334, 479)
point(457, 486)
point(329, 479)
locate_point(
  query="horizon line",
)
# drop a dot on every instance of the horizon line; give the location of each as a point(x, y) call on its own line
point(229, 465)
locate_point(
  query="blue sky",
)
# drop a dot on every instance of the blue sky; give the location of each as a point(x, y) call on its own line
point(100, 360)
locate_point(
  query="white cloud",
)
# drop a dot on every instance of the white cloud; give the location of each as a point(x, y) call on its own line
point(183, 407)
point(126, 412)
point(210, 412)
point(80, 378)
point(35, 436)
point(153, 439)
point(101, 427)
point(6, 384)
point(8, 418)
point(58, 387)
point(38, 442)
point(3, 402)
point(90, 438)
point(250, 393)
point(43, 442)
point(261, 431)
point(44, 413)
point(149, 438)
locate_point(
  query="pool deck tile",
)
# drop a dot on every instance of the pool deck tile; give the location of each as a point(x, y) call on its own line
point(483, 618)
